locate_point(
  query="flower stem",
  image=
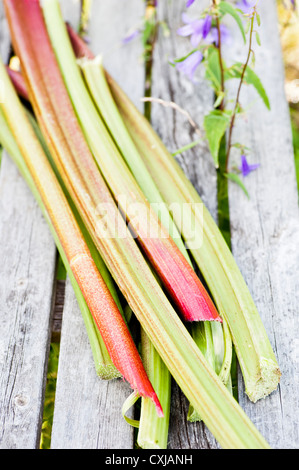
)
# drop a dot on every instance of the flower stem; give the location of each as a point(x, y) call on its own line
point(219, 47)
point(237, 101)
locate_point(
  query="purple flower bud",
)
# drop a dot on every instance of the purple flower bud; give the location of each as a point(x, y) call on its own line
point(190, 64)
point(206, 28)
point(189, 3)
point(130, 36)
point(245, 167)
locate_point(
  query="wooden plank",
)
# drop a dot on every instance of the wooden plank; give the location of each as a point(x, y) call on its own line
point(265, 231)
point(110, 24)
point(4, 35)
point(28, 258)
point(96, 420)
point(196, 98)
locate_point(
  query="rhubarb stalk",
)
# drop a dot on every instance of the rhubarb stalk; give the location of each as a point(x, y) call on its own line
point(231, 295)
point(103, 364)
point(174, 270)
point(214, 259)
point(101, 304)
point(201, 385)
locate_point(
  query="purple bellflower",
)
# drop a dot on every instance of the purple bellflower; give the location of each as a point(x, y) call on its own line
point(245, 167)
point(190, 64)
point(197, 29)
point(213, 37)
point(202, 30)
point(189, 3)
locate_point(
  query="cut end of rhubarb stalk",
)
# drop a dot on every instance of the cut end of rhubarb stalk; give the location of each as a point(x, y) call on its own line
point(107, 372)
point(84, 61)
point(266, 383)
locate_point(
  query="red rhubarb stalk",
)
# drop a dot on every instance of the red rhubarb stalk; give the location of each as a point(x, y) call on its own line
point(171, 265)
point(18, 82)
point(106, 314)
point(177, 275)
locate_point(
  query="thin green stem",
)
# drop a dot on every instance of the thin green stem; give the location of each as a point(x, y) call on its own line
point(237, 102)
point(219, 47)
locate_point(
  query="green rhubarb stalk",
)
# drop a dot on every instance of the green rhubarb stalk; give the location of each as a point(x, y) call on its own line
point(95, 130)
point(95, 253)
point(103, 364)
point(232, 297)
point(184, 286)
point(97, 84)
point(100, 302)
point(214, 341)
point(201, 385)
point(153, 431)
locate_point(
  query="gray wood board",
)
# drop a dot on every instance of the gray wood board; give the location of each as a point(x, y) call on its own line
point(28, 260)
point(265, 229)
point(87, 409)
point(96, 420)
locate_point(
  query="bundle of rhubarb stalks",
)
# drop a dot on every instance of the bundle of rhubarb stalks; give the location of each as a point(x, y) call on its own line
point(105, 184)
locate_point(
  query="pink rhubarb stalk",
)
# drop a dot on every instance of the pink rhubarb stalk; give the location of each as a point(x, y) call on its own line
point(105, 312)
point(177, 275)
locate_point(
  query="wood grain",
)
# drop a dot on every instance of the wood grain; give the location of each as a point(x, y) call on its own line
point(265, 229)
point(87, 410)
point(28, 258)
point(265, 240)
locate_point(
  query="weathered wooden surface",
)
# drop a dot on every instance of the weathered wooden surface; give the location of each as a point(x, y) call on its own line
point(28, 259)
point(87, 410)
point(265, 243)
point(265, 232)
point(265, 229)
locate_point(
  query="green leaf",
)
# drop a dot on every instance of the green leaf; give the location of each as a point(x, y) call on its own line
point(234, 177)
point(258, 19)
point(219, 100)
point(215, 125)
point(227, 8)
point(252, 79)
point(181, 59)
point(257, 37)
point(213, 71)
